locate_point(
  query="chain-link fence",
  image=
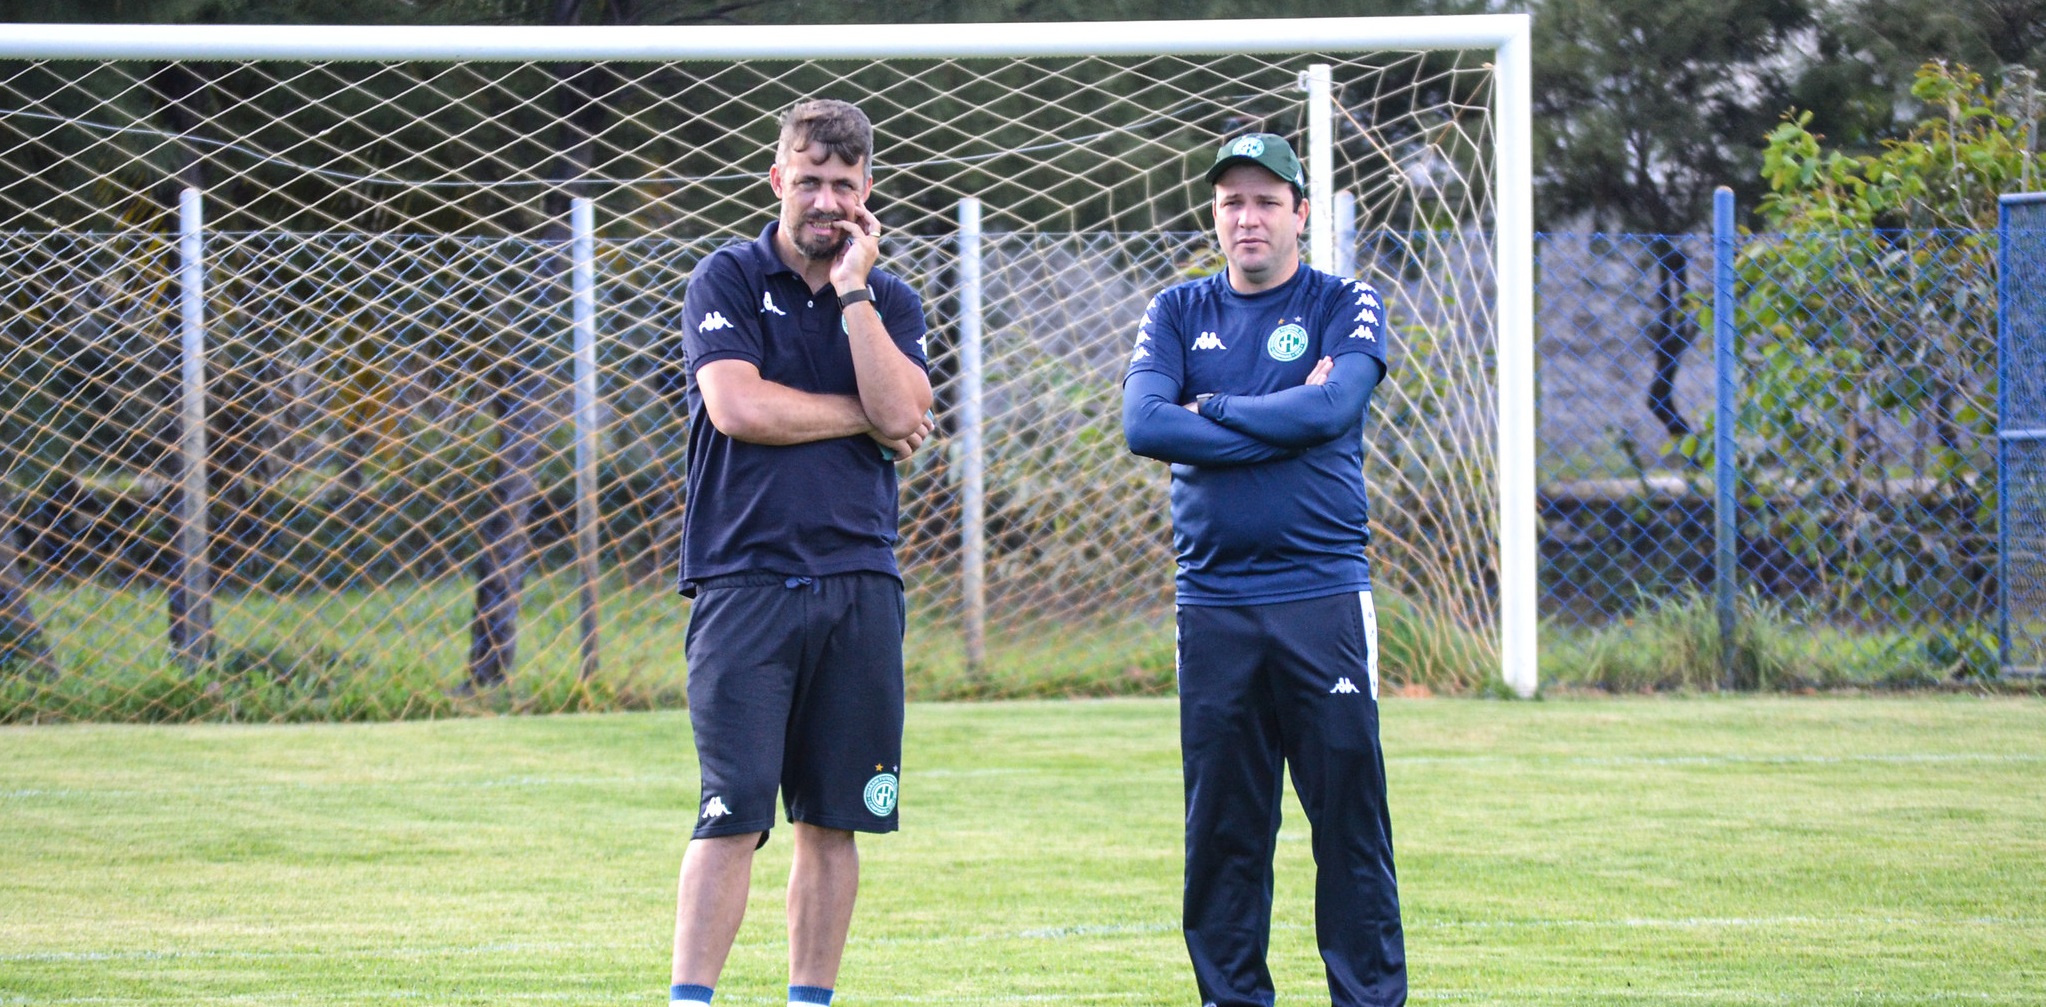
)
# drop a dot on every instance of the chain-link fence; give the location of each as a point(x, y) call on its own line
point(1865, 425)
point(321, 404)
point(2021, 434)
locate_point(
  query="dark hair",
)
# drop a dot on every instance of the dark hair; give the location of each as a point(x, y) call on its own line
point(840, 126)
point(1299, 195)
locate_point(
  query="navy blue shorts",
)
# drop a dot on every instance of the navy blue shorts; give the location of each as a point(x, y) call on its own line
point(795, 683)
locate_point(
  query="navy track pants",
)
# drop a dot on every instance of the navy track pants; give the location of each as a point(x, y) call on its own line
point(1262, 687)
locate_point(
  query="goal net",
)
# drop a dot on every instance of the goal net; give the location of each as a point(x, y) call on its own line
point(343, 365)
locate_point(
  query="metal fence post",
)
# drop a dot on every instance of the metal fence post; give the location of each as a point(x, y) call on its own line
point(2003, 417)
point(1725, 499)
point(973, 523)
point(192, 609)
point(1346, 234)
point(1320, 164)
point(587, 542)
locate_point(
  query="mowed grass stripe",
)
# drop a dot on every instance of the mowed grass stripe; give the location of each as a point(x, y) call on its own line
point(1735, 851)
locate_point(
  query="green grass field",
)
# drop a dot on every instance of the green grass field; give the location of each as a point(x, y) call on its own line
point(1611, 851)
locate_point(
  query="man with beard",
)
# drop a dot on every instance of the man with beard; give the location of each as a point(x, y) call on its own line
point(806, 378)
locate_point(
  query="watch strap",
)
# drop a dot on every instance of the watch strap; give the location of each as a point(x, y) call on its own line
point(855, 296)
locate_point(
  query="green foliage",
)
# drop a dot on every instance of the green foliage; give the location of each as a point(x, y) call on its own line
point(1868, 350)
point(1869, 52)
point(1946, 173)
point(1419, 647)
point(1673, 644)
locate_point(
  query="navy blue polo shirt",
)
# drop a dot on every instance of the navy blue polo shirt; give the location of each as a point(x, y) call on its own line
point(1284, 530)
point(826, 507)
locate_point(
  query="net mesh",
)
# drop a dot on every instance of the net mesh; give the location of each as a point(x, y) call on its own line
point(393, 522)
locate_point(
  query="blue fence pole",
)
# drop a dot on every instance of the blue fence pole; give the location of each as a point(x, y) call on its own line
point(2004, 418)
point(1725, 501)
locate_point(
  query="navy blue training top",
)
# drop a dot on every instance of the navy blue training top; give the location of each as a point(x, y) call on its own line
point(1283, 530)
point(815, 509)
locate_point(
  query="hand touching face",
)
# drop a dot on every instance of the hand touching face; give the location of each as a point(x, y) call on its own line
point(861, 236)
point(817, 197)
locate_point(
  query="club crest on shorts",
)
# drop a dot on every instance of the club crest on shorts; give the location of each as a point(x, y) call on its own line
point(1287, 343)
point(880, 794)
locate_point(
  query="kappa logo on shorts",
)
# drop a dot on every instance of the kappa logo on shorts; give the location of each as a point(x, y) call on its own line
point(1344, 685)
point(1287, 343)
point(715, 807)
point(880, 794)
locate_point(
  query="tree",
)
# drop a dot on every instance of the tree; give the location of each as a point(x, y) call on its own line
point(1642, 107)
point(1868, 52)
point(1871, 307)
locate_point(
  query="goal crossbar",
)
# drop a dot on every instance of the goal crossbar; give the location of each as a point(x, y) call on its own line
point(722, 42)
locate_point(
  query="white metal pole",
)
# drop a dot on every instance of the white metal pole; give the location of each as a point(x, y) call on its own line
point(1514, 247)
point(1346, 233)
point(194, 637)
point(587, 540)
point(664, 42)
point(1320, 165)
point(973, 524)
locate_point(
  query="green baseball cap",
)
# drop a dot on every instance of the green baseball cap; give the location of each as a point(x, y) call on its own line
point(1269, 151)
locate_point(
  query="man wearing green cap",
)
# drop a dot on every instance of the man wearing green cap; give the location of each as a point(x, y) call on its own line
point(1253, 383)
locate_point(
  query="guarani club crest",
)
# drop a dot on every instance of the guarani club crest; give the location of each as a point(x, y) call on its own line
point(1286, 343)
point(880, 794)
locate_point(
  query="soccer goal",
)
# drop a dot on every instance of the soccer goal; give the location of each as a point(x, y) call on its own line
point(351, 353)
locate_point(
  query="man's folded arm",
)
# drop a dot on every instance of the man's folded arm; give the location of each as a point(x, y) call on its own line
point(1305, 416)
point(747, 407)
point(1155, 425)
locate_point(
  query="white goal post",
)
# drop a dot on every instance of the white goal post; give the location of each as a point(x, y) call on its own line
point(1508, 205)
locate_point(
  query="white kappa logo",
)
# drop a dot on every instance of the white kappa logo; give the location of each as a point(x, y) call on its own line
point(1360, 332)
point(1365, 296)
point(1367, 315)
point(1249, 146)
point(1139, 355)
point(1209, 341)
point(767, 303)
point(714, 321)
point(1344, 685)
point(715, 808)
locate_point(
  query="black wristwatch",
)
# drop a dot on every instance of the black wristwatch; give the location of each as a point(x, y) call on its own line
point(855, 296)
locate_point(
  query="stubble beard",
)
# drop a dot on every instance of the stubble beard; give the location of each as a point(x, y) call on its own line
point(816, 250)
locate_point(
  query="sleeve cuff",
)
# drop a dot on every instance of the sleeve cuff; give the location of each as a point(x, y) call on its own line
point(714, 356)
